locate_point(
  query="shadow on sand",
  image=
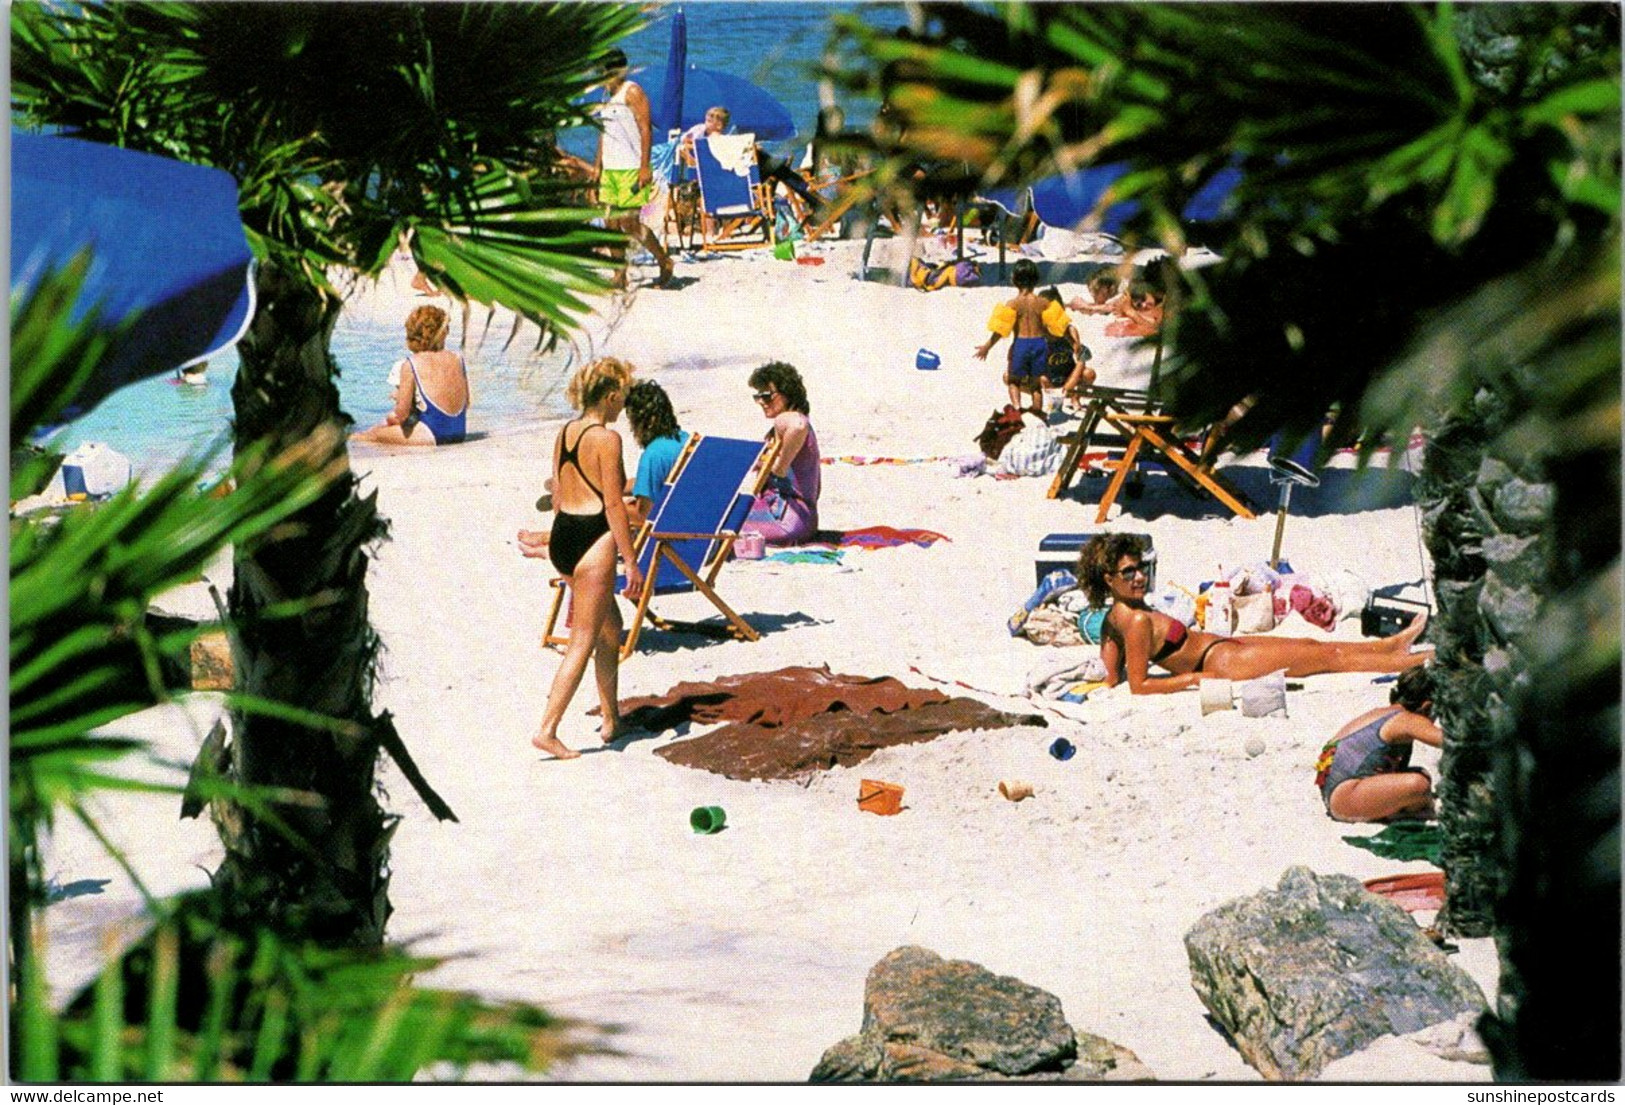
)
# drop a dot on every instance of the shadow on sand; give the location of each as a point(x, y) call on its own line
point(1341, 491)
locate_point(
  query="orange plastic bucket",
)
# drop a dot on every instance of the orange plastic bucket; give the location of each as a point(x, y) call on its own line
point(878, 797)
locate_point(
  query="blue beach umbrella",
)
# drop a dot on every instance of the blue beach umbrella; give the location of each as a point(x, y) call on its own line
point(753, 109)
point(664, 112)
point(167, 251)
point(1069, 200)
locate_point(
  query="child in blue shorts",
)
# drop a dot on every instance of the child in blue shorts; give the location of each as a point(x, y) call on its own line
point(1028, 319)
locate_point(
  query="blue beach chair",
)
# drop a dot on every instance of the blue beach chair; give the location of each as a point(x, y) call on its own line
point(737, 210)
point(685, 542)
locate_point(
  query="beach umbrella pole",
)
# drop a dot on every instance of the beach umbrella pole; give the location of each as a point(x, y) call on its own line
point(1285, 473)
point(1280, 523)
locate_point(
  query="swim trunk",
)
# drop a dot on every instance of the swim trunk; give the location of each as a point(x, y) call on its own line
point(618, 188)
point(1029, 360)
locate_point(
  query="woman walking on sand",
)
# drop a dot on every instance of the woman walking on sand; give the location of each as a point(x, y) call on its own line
point(1135, 636)
point(589, 528)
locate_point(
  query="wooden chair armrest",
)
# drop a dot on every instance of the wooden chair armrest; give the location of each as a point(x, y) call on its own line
point(690, 536)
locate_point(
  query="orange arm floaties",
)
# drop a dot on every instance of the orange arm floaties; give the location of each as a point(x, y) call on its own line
point(1055, 319)
point(1003, 320)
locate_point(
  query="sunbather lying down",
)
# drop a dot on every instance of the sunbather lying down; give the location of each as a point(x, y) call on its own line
point(1136, 636)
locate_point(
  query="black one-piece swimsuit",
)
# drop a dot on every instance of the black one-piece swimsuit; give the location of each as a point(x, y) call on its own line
point(574, 534)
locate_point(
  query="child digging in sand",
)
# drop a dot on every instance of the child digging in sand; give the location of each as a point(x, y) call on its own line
point(1068, 356)
point(1364, 772)
point(1026, 319)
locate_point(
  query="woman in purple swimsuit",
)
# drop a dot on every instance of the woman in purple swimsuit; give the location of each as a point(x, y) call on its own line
point(1364, 772)
point(431, 400)
point(786, 512)
point(1135, 636)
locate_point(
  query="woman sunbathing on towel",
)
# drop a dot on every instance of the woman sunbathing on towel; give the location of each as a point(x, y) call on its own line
point(1135, 636)
point(1364, 772)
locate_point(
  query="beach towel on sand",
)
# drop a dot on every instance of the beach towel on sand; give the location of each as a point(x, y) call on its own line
point(1404, 840)
point(788, 722)
point(877, 537)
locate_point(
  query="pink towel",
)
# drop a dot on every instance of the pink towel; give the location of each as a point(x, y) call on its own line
point(1317, 608)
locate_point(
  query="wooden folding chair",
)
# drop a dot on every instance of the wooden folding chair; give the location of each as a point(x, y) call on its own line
point(1088, 439)
point(1153, 435)
point(685, 542)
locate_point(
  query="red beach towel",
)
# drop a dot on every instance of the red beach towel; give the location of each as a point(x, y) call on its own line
point(879, 537)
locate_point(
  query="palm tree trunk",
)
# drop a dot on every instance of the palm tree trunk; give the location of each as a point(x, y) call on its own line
point(326, 880)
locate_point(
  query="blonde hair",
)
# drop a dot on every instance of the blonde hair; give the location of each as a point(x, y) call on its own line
point(598, 380)
point(423, 329)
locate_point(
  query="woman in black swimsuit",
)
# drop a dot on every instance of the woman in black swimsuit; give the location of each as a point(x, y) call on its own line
point(1135, 636)
point(589, 528)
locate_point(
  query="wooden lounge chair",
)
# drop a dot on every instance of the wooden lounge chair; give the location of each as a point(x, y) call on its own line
point(683, 545)
point(1116, 420)
point(736, 210)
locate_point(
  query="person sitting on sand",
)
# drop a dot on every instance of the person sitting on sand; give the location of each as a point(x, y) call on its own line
point(1104, 295)
point(786, 512)
point(1136, 636)
point(589, 528)
point(431, 400)
point(1364, 772)
point(1139, 313)
point(1068, 359)
point(654, 427)
point(1028, 317)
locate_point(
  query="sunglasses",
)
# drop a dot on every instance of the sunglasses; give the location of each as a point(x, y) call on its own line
point(764, 397)
point(1136, 570)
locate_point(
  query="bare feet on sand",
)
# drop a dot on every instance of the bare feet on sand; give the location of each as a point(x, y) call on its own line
point(555, 747)
point(534, 542)
point(1407, 636)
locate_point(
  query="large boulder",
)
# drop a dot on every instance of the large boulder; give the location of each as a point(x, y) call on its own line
point(1319, 968)
point(927, 1019)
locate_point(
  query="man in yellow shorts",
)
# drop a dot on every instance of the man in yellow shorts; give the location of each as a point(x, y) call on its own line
point(622, 166)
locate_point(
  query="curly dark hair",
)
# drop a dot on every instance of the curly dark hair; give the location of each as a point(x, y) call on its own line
point(786, 381)
point(1413, 688)
point(1099, 559)
point(649, 413)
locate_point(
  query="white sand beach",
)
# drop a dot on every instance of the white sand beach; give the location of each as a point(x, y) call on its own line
point(742, 956)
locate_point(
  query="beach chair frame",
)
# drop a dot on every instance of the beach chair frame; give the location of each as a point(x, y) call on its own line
point(732, 229)
point(654, 545)
point(1135, 426)
point(1088, 439)
point(1152, 434)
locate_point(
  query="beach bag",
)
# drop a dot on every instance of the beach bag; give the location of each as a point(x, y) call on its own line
point(1001, 426)
point(928, 278)
point(1035, 451)
point(1255, 612)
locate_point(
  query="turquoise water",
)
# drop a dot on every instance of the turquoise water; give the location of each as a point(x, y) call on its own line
point(158, 422)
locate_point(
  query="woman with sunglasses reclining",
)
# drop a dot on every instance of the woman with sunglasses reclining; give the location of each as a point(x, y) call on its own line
point(786, 512)
point(1111, 566)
